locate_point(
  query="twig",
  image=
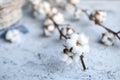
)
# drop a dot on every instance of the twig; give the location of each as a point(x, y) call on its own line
point(82, 61)
point(57, 26)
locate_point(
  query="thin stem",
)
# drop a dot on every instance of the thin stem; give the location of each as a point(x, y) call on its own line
point(82, 61)
point(59, 30)
point(85, 11)
point(118, 36)
point(103, 26)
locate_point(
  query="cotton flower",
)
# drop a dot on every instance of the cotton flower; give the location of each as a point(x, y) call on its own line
point(83, 39)
point(78, 43)
point(58, 18)
point(77, 13)
point(79, 50)
point(78, 39)
point(44, 8)
point(48, 21)
point(49, 27)
point(75, 46)
point(66, 56)
point(53, 11)
point(73, 1)
point(98, 16)
point(108, 38)
point(67, 31)
point(69, 57)
point(13, 35)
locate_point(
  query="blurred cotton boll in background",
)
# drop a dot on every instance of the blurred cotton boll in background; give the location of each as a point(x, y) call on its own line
point(58, 18)
point(13, 36)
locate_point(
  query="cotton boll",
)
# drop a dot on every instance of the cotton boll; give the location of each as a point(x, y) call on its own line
point(48, 22)
point(70, 31)
point(74, 36)
point(70, 43)
point(103, 15)
point(77, 50)
point(98, 16)
point(108, 38)
point(108, 43)
point(46, 32)
point(51, 28)
point(53, 11)
point(83, 39)
point(45, 8)
point(67, 31)
point(69, 61)
point(58, 18)
point(13, 35)
point(64, 57)
point(104, 39)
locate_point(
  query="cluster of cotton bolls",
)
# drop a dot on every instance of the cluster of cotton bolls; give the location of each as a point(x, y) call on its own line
point(108, 38)
point(75, 46)
point(49, 26)
point(40, 7)
point(98, 16)
point(13, 36)
point(44, 8)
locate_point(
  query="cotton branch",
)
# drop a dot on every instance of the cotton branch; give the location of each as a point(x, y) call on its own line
point(61, 34)
point(97, 22)
point(103, 26)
